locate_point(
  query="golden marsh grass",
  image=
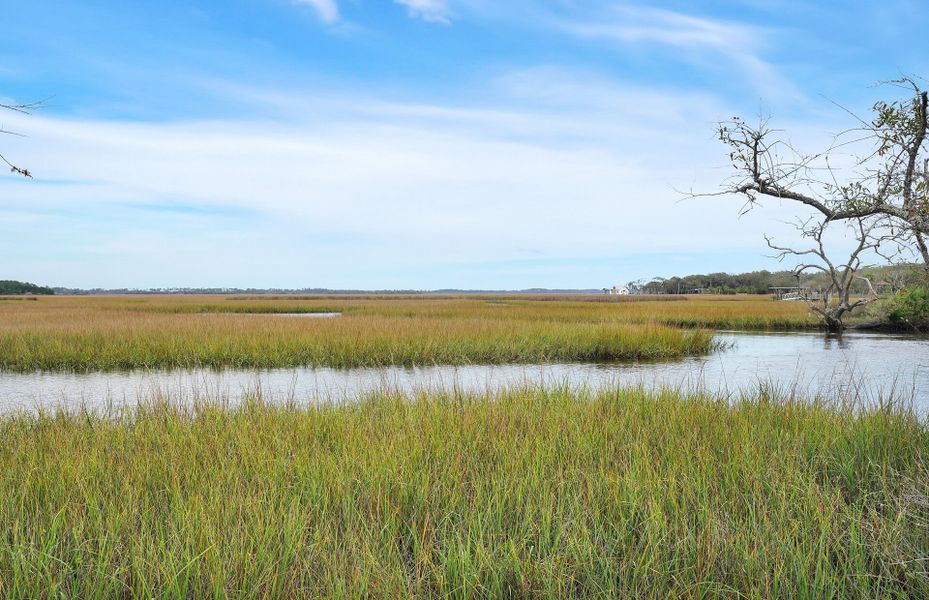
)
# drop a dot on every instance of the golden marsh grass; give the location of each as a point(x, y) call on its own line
point(126, 332)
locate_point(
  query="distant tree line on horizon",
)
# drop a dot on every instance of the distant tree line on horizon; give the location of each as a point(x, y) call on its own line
point(18, 288)
point(65, 291)
point(882, 279)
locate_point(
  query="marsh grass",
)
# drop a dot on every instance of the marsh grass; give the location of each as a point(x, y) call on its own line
point(260, 309)
point(111, 333)
point(528, 493)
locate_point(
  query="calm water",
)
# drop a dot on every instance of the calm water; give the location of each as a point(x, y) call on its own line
point(806, 364)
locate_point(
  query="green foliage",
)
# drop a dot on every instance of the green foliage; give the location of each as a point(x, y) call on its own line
point(755, 282)
point(910, 308)
point(760, 282)
point(15, 288)
point(897, 122)
point(523, 494)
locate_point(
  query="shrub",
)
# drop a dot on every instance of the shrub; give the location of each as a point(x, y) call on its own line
point(911, 308)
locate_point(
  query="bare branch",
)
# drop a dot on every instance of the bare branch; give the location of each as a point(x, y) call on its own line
point(24, 109)
point(15, 169)
point(890, 179)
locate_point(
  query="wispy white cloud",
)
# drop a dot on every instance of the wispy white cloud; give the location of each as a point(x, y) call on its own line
point(341, 184)
point(435, 11)
point(713, 45)
point(700, 40)
point(564, 164)
point(327, 10)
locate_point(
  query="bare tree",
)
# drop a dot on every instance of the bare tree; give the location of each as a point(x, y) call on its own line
point(872, 237)
point(24, 109)
point(889, 178)
point(873, 178)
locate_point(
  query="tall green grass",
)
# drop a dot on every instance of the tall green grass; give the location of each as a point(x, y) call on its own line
point(525, 494)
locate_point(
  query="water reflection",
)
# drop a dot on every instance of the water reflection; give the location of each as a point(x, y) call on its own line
point(835, 341)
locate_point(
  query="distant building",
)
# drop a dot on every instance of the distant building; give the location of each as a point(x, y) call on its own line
point(617, 290)
point(795, 293)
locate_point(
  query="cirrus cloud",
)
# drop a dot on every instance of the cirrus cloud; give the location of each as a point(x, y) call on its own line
point(327, 10)
point(434, 11)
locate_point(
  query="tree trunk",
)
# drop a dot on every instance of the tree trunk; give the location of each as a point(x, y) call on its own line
point(833, 322)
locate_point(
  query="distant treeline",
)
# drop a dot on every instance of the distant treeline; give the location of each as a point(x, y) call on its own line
point(886, 279)
point(312, 292)
point(756, 282)
point(17, 288)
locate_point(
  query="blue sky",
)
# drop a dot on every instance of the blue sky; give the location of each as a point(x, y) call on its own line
point(412, 143)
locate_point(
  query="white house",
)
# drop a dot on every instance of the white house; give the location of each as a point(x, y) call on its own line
point(617, 290)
